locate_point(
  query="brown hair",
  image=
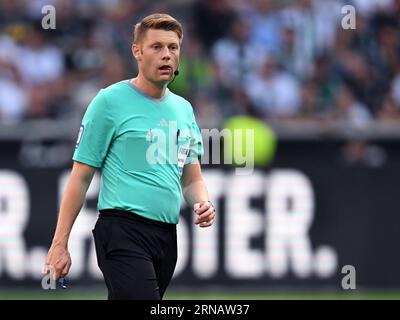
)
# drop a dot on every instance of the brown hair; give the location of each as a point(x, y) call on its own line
point(157, 21)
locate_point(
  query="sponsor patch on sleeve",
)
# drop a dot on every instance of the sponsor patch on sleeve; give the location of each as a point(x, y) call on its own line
point(80, 135)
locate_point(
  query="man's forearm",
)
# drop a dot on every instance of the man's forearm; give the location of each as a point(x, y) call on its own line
point(71, 204)
point(195, 192)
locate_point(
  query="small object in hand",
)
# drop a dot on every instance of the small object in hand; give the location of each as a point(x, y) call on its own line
point(63, 282)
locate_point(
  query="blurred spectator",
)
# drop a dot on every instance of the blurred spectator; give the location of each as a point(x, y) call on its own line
point(350, 110)
point(395, 89)
point(13, 99)
point(265, 25)
point(389, 111)
point(386, 53)
point(9, 52)
point(39, 101)
point(213, 19)
point(87, 56)
point(309, 30)
point(13, 102)
point(327, 81)
point(289, 55)
point(366, 8)
point(34, 7)
point(40, 61)
point(310, 102)
point(275, 93)
point(235, 56)
point(111, 69)
point(355, 70)
point(11, 12)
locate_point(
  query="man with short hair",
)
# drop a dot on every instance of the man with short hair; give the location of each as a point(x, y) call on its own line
point(146, 142)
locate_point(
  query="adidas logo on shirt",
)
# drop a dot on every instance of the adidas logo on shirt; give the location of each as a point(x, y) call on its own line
point(163, 123)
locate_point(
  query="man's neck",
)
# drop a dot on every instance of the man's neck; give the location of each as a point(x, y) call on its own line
point(152, 90)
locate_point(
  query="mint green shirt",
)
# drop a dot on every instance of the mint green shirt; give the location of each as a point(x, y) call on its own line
point(141, 145)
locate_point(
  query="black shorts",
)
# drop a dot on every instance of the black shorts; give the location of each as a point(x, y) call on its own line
point(136, 255)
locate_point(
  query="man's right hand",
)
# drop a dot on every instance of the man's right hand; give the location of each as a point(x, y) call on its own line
point(58, 262)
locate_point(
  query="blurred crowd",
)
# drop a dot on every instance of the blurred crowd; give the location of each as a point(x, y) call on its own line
point(278, 60)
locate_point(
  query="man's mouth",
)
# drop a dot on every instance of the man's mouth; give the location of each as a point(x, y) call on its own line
point(165, 68)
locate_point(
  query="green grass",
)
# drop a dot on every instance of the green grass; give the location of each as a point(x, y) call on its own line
point(287, 296)
point(76, 294)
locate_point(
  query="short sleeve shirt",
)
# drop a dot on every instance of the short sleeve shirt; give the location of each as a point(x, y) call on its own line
point(141, 145)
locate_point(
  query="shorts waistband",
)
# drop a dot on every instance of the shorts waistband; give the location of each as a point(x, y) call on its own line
point(135, 217)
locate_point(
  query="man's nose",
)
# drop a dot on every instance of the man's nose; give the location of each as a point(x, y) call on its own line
point(166, 54)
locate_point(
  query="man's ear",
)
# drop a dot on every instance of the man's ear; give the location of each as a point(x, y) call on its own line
point(136, 51)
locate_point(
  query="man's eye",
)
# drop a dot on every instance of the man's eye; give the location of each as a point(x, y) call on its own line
point(156, 47)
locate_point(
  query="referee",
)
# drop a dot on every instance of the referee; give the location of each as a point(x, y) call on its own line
point(141, 190)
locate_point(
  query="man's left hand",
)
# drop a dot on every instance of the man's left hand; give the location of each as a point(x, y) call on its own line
point(205, 213)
